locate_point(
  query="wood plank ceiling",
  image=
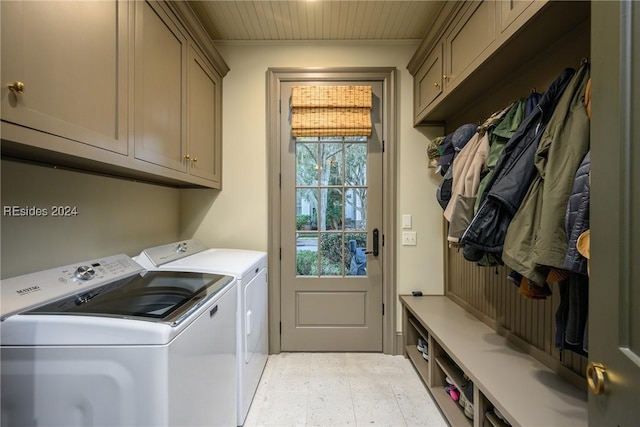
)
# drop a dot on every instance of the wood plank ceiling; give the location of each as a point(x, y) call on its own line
point(316, 20)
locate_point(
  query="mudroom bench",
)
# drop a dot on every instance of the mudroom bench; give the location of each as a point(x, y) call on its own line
point(509, 385)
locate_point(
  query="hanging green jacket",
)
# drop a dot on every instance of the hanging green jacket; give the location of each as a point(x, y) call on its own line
point(536, 238)
point(498, 138)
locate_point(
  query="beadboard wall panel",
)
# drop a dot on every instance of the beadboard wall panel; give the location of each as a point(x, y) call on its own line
point(530, 324)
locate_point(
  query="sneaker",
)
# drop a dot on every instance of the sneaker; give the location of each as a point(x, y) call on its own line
point(422, 345)
point(468, 409)
point(467, 406)
point(463, 400)
point(499, 415)
point(425, 355)
point(454, 393)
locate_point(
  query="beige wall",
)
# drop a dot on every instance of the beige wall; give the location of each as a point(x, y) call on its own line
point(113, 216)
point(237, 216)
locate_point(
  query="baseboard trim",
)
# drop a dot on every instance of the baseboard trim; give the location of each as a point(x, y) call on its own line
point(398, 344)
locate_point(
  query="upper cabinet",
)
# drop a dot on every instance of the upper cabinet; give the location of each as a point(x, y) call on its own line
point(64, 70)
point(470, 34)
point(128, 88)
point(476, 46)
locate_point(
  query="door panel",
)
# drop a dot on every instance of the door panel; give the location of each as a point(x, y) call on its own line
point(204, 147)
point(331, 201)
point(347, 308)
point(161, 50)
point(614, 319)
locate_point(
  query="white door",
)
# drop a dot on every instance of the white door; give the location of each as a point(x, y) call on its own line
point(331, 236)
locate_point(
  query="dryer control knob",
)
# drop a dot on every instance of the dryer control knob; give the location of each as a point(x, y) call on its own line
point(85, 272)
point(181, 247)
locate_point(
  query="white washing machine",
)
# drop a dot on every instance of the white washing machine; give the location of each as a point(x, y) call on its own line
point(107, 343)
point(250, 270)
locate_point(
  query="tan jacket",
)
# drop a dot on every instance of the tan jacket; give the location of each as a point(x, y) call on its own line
point(468, 168)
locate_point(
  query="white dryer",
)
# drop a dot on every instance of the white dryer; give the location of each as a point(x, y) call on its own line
point(250, 270)
point(106, 343)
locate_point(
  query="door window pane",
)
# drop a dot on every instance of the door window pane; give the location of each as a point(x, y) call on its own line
point(331, 165)
point(307, 166)
point(306, 209)
point(331, 213)
point(355, 260)
point(307, 254)
point(331, 254)
point(355, 165)
point(355, 209)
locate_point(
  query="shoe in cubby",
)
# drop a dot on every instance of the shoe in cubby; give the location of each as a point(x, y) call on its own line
point(466, 406)
point(422, 345)
point(499, 415)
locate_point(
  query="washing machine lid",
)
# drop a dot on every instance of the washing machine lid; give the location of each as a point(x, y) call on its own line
point(22, 293)
point(161, 296)
point(236, 262)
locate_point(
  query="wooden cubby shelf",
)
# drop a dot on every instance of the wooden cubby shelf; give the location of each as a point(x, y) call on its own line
point(450, 409)
point(504, 377)
point(421, 365)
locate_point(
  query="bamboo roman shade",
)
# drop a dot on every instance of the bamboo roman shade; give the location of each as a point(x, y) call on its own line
point(331, 111)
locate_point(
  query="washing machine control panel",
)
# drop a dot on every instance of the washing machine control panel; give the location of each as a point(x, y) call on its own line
point(28, 291)
point(160, 255)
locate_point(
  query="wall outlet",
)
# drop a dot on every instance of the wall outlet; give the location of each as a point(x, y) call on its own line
point(409, 238)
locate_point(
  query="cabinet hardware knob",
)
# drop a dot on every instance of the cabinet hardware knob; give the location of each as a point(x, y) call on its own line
point(16, 87)
point(195, 159)
point(595, 377)
point(187, 157)
point(436, 84)
point(446, 77)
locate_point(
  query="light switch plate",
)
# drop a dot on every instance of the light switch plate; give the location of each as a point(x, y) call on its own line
point(406, 221)
point(409, 238)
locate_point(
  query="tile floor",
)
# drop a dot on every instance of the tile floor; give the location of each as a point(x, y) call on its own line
point(341, 389)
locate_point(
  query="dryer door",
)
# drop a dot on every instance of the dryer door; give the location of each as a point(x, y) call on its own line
point(255, 316)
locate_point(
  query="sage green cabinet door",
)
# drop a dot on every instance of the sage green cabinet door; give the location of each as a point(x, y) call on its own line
point(204, 119)
point(160, 88)
point(510, 10)
point(428, 82)
point(72, 58)
point(473, 34)
point(614, 289)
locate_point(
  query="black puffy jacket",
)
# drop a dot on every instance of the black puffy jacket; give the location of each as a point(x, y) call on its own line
point(577, 217)
point(511, 178)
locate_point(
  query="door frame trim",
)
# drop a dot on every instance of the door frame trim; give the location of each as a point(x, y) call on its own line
point(388, 77)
